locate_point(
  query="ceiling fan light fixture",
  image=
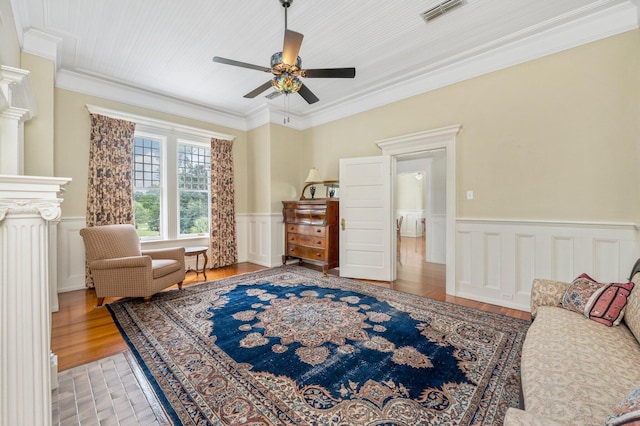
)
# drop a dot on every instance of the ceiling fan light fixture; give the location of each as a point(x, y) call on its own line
point(286, 67)
point(286, 83)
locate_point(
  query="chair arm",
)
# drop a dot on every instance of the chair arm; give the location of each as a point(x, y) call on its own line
point(122, 262)
point(175, 253)
point(517, 417)
point(546, 293)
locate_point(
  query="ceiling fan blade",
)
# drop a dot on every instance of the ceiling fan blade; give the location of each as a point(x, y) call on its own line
point(240, 64)
point(329, 73)
point(255, 92)
point(291, 47)
point(308, 94)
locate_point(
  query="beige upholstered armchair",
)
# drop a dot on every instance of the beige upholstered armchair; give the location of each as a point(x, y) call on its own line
point(120, 269)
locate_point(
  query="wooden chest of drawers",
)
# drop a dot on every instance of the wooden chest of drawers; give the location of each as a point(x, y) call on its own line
point(311, 231)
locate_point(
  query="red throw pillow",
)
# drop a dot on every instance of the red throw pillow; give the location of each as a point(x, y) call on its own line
point(603, 303)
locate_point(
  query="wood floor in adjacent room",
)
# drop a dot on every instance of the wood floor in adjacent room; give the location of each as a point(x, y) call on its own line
point(82, 333)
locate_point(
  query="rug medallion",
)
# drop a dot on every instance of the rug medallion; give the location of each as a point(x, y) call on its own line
point(287, 346)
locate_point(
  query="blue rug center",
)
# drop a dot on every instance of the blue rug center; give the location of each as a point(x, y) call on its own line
point(335, 340)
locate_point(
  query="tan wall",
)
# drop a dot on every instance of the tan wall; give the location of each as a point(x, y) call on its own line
point(9, 44)
point(39, 131)
point(286, 167)
point(72, 133)
point(557, 138)
point(259, 169)
point(409, 192)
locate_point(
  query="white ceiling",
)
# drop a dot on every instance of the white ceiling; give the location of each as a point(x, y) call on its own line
point(165, 47)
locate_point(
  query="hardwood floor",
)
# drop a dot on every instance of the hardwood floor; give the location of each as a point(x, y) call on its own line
point(82, 333)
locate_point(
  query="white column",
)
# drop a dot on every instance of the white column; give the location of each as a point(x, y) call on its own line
point(27, 206)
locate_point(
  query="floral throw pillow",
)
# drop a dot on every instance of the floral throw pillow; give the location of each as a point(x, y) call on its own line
point(627, 413)
point(603, 303)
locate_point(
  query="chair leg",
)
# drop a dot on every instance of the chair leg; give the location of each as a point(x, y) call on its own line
point(147, 300)
point(180, 284)
point(100, 302)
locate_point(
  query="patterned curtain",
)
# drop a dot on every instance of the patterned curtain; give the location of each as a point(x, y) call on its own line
point(224, 250)
point(110, 186)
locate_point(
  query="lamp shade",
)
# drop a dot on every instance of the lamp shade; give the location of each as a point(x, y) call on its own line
point(313, 176)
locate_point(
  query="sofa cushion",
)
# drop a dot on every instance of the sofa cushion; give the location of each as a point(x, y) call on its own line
point(632, 314)
point(603, 303)
point(575, 370)
point(628, 411)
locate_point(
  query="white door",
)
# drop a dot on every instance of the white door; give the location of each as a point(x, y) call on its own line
point(365, 218)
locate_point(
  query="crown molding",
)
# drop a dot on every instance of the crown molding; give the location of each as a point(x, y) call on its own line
point(42, 44)
point(533, 43)
point(565, 32)
point(119, 92)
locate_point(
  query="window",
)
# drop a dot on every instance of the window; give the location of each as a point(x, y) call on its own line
point(147, 193)
point(194, 177)
point(171, 179)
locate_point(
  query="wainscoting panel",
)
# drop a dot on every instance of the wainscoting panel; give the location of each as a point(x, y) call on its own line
point(70, 254)
point(524, 251)
point(563, 254)
point(265, 239)
point(492, 252)
point(497, 260)
point(465, 251)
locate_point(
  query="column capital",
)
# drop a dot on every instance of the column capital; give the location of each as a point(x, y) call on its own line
point(31, 196)
point(49, 210)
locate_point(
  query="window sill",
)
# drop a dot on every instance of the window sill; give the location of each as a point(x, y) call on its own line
point(177, 242)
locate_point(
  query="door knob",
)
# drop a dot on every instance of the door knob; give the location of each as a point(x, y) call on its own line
point(343, 224)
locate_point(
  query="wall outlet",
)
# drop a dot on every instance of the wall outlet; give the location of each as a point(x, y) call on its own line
point(507, 296)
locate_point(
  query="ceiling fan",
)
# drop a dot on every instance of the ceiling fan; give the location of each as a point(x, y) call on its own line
point(286, 67)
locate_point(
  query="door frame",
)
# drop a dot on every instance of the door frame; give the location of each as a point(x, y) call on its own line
point(444, 137)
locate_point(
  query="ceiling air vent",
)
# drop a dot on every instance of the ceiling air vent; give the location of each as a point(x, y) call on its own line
point(440, 9)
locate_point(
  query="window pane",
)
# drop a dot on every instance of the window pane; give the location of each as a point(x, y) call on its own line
point(147, 193)
point(194, 212)
point(147, 212)
point(194, 170)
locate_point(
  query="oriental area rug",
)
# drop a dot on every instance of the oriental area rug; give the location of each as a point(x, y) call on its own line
point(288, 346)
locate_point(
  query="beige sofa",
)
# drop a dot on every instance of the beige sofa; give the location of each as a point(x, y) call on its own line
point(575, 371)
